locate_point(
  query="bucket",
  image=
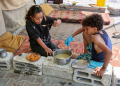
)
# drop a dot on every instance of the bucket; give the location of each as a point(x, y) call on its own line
point(101, 3)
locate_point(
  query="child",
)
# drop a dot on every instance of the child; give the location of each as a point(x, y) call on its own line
point(97, 44)
point(40, 39)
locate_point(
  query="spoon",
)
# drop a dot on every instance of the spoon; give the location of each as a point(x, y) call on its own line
point(46, 25)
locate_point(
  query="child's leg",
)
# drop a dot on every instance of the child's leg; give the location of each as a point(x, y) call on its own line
point(52, 46)
point(87, 47)
point(39, 50)
point(87, 41)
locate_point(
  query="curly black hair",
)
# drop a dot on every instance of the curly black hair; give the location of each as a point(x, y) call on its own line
point(94, 20)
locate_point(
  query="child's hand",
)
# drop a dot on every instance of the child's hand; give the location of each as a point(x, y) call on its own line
point(99, 71)
point(49, 51)
point(56, 22)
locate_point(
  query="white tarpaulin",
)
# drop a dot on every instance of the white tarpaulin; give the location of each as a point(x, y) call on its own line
point(2, 25)
point(12, 4)
point(14, 19)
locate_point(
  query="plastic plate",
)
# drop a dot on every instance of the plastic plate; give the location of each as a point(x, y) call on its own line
point(81, 63)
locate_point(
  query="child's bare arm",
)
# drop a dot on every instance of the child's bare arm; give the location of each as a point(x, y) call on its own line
point(70, 38)
point(78, 31)
point(41, 43)
point(97, 39)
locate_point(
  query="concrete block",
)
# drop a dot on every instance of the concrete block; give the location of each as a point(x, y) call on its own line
point(86, 76)
point(116, 76)
point(79, 7)
point(21, 63)
point(6, 63)
point(102, 9)
point(113, 10)
point(61, 71)
point(55, 6)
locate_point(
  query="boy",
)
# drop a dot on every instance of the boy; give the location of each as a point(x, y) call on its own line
point(96, 40)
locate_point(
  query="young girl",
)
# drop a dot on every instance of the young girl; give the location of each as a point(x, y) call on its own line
point(40, 39)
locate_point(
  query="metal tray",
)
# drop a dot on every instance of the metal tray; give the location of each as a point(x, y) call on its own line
point(81, 63)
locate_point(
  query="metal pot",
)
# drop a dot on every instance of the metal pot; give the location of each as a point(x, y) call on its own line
point(3, 53)
point(62, 61)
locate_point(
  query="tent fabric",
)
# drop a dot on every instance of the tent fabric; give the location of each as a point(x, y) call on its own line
point(2, 24)
point(12, 4)
point(15, 19)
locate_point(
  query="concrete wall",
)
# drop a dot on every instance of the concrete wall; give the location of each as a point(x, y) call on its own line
point(2, 25)
point(38, 2)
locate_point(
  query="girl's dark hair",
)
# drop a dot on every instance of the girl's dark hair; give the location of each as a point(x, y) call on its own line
point(33, 10)
point(94, 20)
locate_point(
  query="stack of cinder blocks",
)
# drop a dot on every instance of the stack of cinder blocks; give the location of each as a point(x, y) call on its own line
point(83, 8)
point(55, 6)
point(87, 76)
point(61, 71)
point(21, 63)
point(116, 76)
point(114, 9)
point(6, 63)
point(79, 7)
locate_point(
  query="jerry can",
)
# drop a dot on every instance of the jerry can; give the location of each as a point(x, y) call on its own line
point(101, 3)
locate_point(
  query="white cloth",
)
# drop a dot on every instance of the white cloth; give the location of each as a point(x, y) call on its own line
point(2, 24)
point(14, 19)
point(12, 4)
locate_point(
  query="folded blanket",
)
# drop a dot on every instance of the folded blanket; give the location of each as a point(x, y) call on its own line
point(11, 42)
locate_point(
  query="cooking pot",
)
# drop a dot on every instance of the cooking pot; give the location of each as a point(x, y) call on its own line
point(3, 53)
point(62, 61)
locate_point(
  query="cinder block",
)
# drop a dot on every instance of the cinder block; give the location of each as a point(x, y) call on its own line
point(79, 7)
point(6, 63)
point(55, 6)
point(86, 76)
point(21, 63)
point(61, 71)
point(116, 76)
point(102, 9)
point(114, 11)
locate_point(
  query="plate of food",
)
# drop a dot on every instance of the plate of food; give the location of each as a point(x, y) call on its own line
point(33, 57)
point(81, 63)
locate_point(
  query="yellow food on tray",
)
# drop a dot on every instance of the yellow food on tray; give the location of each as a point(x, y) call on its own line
point(33, 57)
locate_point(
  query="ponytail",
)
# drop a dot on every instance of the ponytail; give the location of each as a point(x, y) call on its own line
point(27, 15)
